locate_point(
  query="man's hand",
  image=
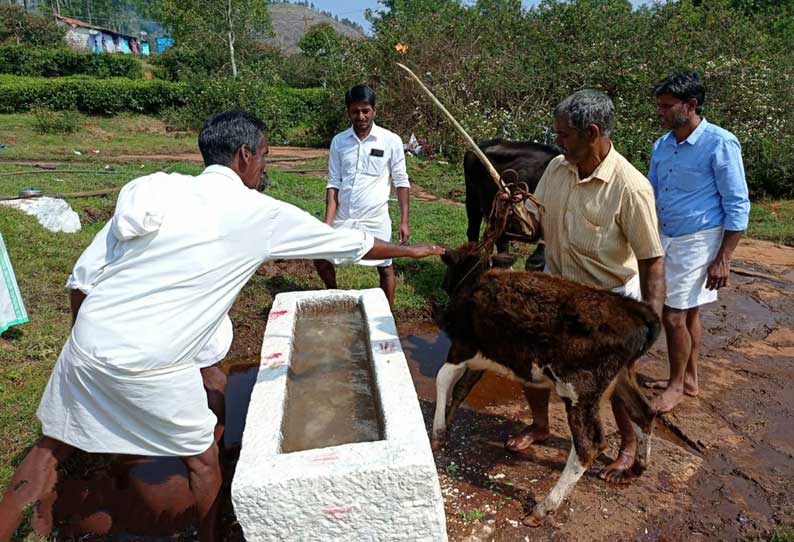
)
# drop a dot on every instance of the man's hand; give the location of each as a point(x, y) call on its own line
point(423, 250)
point(718, 272)
point(516, 197)
point(405, 232)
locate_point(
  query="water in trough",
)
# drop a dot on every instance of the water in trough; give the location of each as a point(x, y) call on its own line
point(331, 398)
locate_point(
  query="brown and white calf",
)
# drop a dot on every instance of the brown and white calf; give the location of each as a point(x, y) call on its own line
point(544, 331)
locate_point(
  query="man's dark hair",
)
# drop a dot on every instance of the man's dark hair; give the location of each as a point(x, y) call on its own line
point(224, 133)
point(683, 85)
point(360, 93)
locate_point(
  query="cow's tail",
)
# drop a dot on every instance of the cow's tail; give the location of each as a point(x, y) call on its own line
point(650, 327)
point(638, 406)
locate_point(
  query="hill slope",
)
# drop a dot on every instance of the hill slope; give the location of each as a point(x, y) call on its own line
point(290, 23)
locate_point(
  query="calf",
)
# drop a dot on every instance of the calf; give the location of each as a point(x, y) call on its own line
point(516, 162)
point(544, 331)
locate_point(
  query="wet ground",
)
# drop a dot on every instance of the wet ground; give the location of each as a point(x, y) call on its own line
point(722, 469)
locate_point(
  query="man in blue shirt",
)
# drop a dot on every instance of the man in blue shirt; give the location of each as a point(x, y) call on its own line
point(701, 198)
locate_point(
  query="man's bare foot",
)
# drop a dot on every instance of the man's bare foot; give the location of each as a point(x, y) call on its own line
point(667, 401)
point(526, 438)
point(620, 471)
point(691, 389)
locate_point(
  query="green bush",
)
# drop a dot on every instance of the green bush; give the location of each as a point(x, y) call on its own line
point(296, 116)
point(89, 95)
point(47, 121)
point(21, 60)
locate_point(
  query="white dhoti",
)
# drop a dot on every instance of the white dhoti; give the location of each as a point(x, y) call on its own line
point(379, 227)
point(686, 261)
point(100, 408)
point(12, 310)
point(631, 289)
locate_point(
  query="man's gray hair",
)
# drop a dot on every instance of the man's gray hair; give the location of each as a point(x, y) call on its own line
point(586, 107)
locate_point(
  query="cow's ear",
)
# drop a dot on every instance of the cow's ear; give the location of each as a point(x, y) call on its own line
point(450, 257)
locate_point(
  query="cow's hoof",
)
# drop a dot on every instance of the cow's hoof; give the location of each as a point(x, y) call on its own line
point(532, 521)
point(437, 444)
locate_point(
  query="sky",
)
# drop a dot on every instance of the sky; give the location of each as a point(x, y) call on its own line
point(354, 9)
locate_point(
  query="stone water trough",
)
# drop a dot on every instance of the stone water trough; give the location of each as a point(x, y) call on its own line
point(334, 446)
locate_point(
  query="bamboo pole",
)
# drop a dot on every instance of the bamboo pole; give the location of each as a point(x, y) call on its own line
point(474, 147)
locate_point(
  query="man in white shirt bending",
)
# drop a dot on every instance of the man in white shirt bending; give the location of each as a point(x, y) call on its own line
point(176, 253)
point(361, 161)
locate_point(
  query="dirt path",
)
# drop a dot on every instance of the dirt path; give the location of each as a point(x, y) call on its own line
point(291, 154)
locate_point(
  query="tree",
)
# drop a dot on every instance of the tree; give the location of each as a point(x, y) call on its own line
point(18, 27)
point(226, 24)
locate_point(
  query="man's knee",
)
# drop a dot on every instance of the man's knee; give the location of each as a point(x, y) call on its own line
point(387, 271)
point(214, 379)
point(674, 319)
point(207, 462)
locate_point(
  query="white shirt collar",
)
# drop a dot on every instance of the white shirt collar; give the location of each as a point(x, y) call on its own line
point(373, 133)
point(222, 170)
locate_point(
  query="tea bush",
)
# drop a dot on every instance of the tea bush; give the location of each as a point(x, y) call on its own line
point(88, 95)
point(23, 60)
point(297, 116)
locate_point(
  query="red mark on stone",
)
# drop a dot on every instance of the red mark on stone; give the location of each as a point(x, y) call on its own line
point(325, 458)
point(276, 314)
point(274, 360)
point(338, 512)
point(387, 346)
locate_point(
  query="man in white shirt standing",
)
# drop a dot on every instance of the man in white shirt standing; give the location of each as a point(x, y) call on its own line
point(176, 253)
point(361, 161)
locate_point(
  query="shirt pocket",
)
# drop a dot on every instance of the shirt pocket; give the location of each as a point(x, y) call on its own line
point(583, 235)
point(374, 165)
point(689, 179)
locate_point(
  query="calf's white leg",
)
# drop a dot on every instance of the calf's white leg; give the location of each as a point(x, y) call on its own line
point(574, 469)
point(446, 379)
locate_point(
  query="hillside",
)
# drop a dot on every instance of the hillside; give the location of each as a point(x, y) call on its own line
point(290, 22)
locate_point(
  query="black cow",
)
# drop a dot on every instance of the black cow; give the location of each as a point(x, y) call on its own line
point(516, 161)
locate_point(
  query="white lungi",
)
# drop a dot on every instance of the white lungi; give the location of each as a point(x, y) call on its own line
point(686, 262)
point(378, 227)
point(102, 408)
point(631, 289)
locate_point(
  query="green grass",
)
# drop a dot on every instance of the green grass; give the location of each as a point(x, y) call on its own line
point(471, 515)
point(122, 134)
point(783, 535)
point(772, 221)
point(441, 178)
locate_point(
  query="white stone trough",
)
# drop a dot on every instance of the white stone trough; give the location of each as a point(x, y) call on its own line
point(382, 490)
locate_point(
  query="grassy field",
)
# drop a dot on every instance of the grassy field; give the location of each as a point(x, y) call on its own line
point(111, 136)
point(42, 260)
